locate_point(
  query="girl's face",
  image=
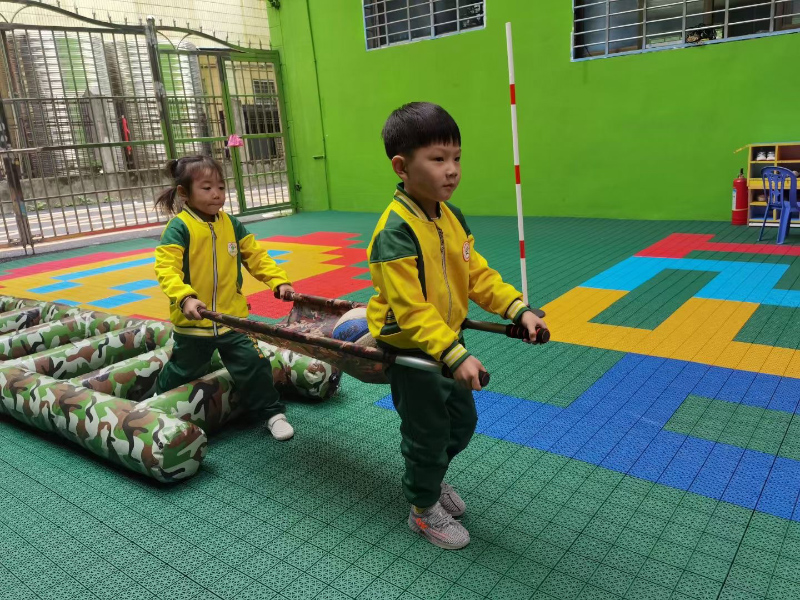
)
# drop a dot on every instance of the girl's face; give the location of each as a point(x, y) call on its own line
point(208, 194)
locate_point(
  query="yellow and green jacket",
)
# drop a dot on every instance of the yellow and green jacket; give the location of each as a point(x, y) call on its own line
point(204, 259)
point(425, 271)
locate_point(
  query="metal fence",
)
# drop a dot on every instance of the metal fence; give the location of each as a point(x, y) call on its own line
point(90, 114)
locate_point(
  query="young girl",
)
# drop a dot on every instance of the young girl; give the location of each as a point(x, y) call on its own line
point(199, 265)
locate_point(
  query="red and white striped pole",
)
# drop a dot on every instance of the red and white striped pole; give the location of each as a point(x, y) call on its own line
point(515, 135)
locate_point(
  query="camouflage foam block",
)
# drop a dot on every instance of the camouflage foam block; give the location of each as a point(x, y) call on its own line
point(297, 374)
point(21, 318)
point(30, 316)
point(208, 402)
point(140, 438)
point(83, 356)
point(11, 303)
point(131, 379)
point(57, 333)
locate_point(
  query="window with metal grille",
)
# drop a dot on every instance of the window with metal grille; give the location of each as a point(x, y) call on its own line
point(606, 27)
point(265, 92)
point(390, 22)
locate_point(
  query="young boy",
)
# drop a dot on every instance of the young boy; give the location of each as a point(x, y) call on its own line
point(425, 269)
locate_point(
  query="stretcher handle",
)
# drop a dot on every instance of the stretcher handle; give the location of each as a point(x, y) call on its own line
point(435, 367)
point(517, 332)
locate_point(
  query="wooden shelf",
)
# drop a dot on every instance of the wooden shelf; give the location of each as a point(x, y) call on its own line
point(786, 153)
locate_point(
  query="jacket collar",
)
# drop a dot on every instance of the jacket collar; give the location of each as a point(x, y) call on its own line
point(197, 217)
point(413, 206)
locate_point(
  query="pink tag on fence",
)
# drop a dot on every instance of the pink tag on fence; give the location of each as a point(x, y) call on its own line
point(234, 141)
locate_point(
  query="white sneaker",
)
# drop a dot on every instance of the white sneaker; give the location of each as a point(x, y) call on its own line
point(761, 156)
point(770, 155)
point(279, 428)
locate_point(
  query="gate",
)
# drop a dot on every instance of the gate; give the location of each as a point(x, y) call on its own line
point(90, 114)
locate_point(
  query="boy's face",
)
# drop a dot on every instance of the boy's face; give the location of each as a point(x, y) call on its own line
point(432, 173)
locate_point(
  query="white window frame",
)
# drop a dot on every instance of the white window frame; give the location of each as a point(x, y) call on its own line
point(428, 31)
point(682, 32)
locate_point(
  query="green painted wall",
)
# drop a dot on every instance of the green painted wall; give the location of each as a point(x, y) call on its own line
point(642, 136)
point(291, 34)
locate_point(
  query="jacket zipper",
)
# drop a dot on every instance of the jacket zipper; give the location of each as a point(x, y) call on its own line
point(214, 254)
point(444, 270)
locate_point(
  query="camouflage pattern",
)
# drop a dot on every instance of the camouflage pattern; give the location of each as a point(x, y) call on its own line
point(108, 405)
point(26, 317)
point(140, 438)
point(21, 318)
point(8, 303)
point(132, 379)
point(208, 402)
point(299, 375)
point(53, 334)
point(77, 358)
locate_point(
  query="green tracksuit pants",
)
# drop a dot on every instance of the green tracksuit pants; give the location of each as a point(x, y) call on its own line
point(438, 418)
point(250, 369)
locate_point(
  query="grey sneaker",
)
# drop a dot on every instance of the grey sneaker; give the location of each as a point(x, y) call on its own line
point(439, 527)
point(451, 501)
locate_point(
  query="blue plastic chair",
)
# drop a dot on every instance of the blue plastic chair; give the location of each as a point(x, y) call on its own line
point(774, 180)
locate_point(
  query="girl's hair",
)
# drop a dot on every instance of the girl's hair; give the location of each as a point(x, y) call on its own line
point(184, 172)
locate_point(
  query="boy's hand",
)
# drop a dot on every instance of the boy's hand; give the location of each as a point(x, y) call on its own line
point(467, 374)
point(282, 290)
point(531, 322)
point(190, 307)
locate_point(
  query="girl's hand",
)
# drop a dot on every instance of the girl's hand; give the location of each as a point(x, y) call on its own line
point(190, 308)
point(531, 322)
point(282, 290)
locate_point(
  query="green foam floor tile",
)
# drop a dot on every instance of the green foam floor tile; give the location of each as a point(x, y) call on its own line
point(594, 593)
point(479, 579)
point(661, 573)
point(330, 593)
point(561, 585)
point(304, 587)
point(430, 585)
point(641, 589)
point(497, 559)
point(623, 559)
point(461, 593)
point(750, 580)
point(375, 561)
point(279, 575)
point(353, 581)
point(698, 586)
point(528, 572)
point(449, 565)
point(730, 592)
point(351, 548)
point(612, 580)
point(257, 591)
point(510, 590)
point(380, 590)
point(783, 589)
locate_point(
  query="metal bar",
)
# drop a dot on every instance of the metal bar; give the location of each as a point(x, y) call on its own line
point(727, 19)
point(158, 85)
point(772, 16)
point(236, 164)
point(14, 187)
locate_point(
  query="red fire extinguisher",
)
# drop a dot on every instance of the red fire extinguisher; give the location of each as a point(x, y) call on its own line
point(739, 214)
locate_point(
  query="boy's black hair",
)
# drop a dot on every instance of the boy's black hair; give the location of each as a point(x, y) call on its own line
point(416, 125)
